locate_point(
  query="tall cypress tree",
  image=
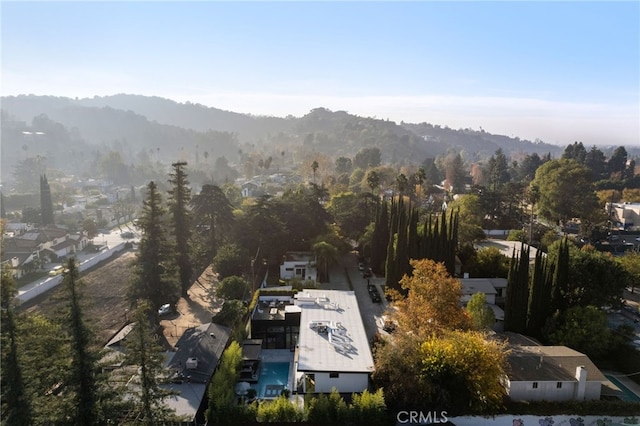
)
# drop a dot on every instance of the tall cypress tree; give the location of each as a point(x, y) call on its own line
point(561, 278)
point(155, 276)
point(3, 212)
point(517, 297)
point(380, 240)
point(540, 295)
point(401, 257)
point(179, 199)
point(16, 406)
point(83, 369)
point(46, 203)
point(390, 265)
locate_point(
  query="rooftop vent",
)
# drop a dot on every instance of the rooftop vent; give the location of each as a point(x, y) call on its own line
point(192, 363)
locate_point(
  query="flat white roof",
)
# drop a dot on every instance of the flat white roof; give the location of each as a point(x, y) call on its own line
point(332, 336)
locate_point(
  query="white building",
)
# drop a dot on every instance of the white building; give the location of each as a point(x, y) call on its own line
point(333, 350)
point(494, 290)
point(300, 265)
point(624, 215)
point(552, 373)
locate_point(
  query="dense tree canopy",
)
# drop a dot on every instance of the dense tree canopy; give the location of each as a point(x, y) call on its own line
point(566, 191)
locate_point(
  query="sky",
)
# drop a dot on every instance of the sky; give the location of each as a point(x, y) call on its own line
point(555, 71)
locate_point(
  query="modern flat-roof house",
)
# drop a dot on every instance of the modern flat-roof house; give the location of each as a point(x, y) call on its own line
point(299, 264)
point(333, 350)
point(552, 373)
point(323, 331)
point(624, 215)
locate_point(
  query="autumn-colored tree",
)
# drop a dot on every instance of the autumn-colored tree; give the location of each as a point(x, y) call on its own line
point(464, 371)
point(433, 300)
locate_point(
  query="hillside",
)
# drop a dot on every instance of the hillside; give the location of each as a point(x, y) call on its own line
point(134, 123)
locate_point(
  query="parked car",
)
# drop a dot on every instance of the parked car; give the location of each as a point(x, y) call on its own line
point(165, 309)
point(127, 234)
point(361, 266)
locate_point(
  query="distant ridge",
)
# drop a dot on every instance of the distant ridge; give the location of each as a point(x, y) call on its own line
point(335, 133)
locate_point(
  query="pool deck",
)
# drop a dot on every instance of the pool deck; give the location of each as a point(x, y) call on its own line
point(625, 380)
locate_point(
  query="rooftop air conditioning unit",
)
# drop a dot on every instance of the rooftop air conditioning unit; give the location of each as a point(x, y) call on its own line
point(192, 363)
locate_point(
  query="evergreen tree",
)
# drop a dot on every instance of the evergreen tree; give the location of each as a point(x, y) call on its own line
point(179, 199)
point(390, 281)
point(16, 406)
point(143, 351)
point(539, 296)
point(517, 298)
point(155, 277)
point(213, 212)
point(3, 211)
point(83, 368)
point(380, 240)
point(401, 257)
point(46, 203)
point(561, 278)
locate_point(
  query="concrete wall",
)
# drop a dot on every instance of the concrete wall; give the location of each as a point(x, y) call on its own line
point(345, 383)
point(548, 391)
point(515, 420)
point(32, 290)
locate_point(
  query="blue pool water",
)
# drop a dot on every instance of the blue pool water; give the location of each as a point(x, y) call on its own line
point(628, 394)
point(274, 377)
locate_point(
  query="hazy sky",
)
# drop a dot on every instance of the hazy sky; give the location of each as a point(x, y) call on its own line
point(557, 71)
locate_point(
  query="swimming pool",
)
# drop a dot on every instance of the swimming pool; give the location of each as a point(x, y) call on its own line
point(274, 378)
point(628, 394)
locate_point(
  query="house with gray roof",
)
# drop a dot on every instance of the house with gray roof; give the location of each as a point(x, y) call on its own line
point(552, 373)
point(197, 357)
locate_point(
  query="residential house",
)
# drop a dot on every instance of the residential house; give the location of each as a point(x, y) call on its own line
point(197, 357)
point(298, 264)
point(494, 290)
point(624, 215)
point(323, 332)
point(552, 373)
point(29, 251)
point(248, 189)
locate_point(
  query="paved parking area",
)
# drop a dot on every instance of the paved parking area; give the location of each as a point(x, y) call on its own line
point(372, 313)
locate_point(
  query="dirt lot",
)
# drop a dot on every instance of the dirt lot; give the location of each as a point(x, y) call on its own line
point(104, 291)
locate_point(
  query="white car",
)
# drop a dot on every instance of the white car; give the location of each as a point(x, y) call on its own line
point(165, 309)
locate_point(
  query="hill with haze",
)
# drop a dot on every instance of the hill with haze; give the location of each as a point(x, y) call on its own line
point(135, 118)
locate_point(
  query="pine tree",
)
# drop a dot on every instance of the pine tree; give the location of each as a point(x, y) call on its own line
point(144, 351)
point(46, 203)
point(16, 406)
point(179, 199)
point(155, 276)
point(83, 368)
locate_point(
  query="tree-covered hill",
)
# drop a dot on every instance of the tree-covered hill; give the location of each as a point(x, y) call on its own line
point(154, 122)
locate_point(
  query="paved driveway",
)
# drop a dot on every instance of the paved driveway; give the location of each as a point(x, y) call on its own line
point(340, 273)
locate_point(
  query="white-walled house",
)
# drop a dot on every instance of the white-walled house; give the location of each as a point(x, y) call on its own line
point(333, 350)
point(322, 330)
point(300, 265)
point(552, 373)
point(624, 215)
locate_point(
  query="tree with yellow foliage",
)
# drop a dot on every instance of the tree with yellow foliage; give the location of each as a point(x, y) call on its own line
point(434, 359)
point(432, 302)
